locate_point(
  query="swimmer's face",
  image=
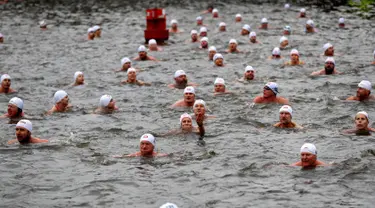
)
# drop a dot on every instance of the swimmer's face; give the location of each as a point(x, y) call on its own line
point(91, 35)
point(211, 54)
point(203, 34)
point(362, 92)
point(199, 109)
point(309, 27)
point(126, 66)
point(219, 88)
point(232, 46)
point(132, 75)
point(64, 101)
point(142, 55)
point(146, 148)
point(111, 104)
point(361, 122)
point(308, 159)
point(215, 14)
point(249, 75)
point(1, 40)
point(285, 117)
point(189, 97)
point(294, 57)
point(286, 32)
point(302, 14)
point(22, 133)
point(199, 22)
point(330, 51)
point(222, 28)
point(174, 26)
point(284, 43)
point(182, 79)
point(194, 37)
point(238, 19)
point(253, 39)
point(153, 47)
point(244, 32)
point(329, 67)
point(186, 124)
point(12, 110)
point(80, 79)
point(267, 92)
point(264, 25)
point(219, 62)
point(6, 83)
point(98, 33)
point(204, 44)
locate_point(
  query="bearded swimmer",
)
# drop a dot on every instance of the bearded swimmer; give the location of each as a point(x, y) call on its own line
point(253, 37)
point(194, 36)
point(23, 134)
point(106, 105)
point(222, 27)
point(153, 45)
point(270, 91)
point(309, 28)
point(232, 47)
point(276, 54)
point(246, 29)
point(248, 75)
point(294, 59)
point(6, 81)
point(174, 27)
point(132, 78)
point(15, 109)
point(188, 100)
point(203, 32)
point(308, 156)
point(219, 87)
point(146, 148)
point(61, 101)
point(363, 92)
point(211, 53)
point(329, 68)
point(142, 55)
point(218, 60)
point(79, 79)
point(181, 81)
point(204, 43)
point(362, 128)
point(285, 118)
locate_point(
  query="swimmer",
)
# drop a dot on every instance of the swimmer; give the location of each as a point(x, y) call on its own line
point(253, 37)
point(286, 6)
point(189, 98)
point(79, 79)
point(203, 32)
point(211, 53)
point(309, 157)
point(294, 59)
point(186, 123)
point(1, 38)
point(194, 36)
point(199, 109)
point(15, 109)
point(181, 81)
point(218, 60)
point(238, 18)
point(219, 87)
point(146, 148)
point(284, 42)
point(97, 31)
point(302, 13)
point(61, 101)
point(153, 46)
point(248, 75)
point(204, 43)
point(363, 92)
point(106, 105)
point(199, 21)
point(132, 78)
point(43, 25)
point(328, 49)
point(215, 13)
point(285, 118)
point(168, 205)
point(142, 55)
point(362, 128)
point(23, 134)
point(90, 34)
point(341, 22)
point(209, 9)
point(6, 81)
point(222, 27)
point(264, 24)
point(174, 27)
point(245, 30)
point(276, 54)
point(232, 47)
point(329, 68)
point(310, 27)
point(269, 95)
point(126, 64)
point(287, 30)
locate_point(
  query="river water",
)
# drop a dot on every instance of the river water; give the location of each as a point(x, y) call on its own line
point(243, 163)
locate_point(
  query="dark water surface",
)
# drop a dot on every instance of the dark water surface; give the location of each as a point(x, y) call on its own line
point(243, 161)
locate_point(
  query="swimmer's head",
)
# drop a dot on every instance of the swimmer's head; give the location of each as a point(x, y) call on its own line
point(361, 120)
point(309, 148)
point(23, 129)
point(105, 101)
point(6, 81)
point(189, 95)
point(287, 30)
point(61, 97)
point(309, 24)
point(285, 114)
point(174, 24)
point(264, 21)
point(132, 75)
point(211, 52)
point(97, 30)
point(204, 42)
point(222, 26)
point(276, 51)
point(308, 155)
point(218, 59)
point(246, 29)
point(180, 78)
point(142, 52)
point(270, 87)
point(233, 44)
point(203, 32)
point(43, 24)
point(199, 20)
point(79, 78)
point(328, 49)
point(364, 89)
point(126, 63)
point(91, 33)
point(253, 36)
point(302, 12)
point(194, 35)
point(238, 18)
point(219, 85)
point(186, 122)
point(294, 55)
point(15, 107)
point(199, 107)
point(249, 73)
point(147, 144)
point(152, 42)
point(341, 20)
point(284, 41)
point(215, 13)
point(168, 205)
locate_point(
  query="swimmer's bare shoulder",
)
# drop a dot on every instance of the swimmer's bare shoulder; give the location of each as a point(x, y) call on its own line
point(282, 100)
point(179, 103)
point(352, 98)
point(258, 99)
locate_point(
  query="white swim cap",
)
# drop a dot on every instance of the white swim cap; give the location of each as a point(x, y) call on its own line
point(215, 11)
point(252, 34)
point(90, 30)
point(287, 28)
point(199, 18)
point(42, 23)
point(105, 100)
point(130, 70)
point(365, 85)
point(283, 38)
point(204, 39)
point(25, 124)
point(330, 59)
point(233, 41)
point(246, 27)
point(77, 74)
point(202, 29)
point(185, 115)
point(363, 113)
point(59, 95)
point(286, 109)
point(189, 89)
point(152, 41)
point(309, 148)
point(5, 76)
point(200, 102)
point(179, 73)
point(222, 24)
point(1, 35)
point(326, 46)
point(219, 81)
point(96, 27)
point(168, 205)
point(286, 6)
point(174, 22)
point(142, 48)
point(294, 51)
point(264, 20)
point(148, 137)
point(273, 86)
point(276, 51)
point(310, 22)
point(217, 56)
point(212, 48)
point(249, 68)
point(193, 32)
point(341, 20)
point(238, 15)
point(125, 60)
point(303, 10)
point(17, 102)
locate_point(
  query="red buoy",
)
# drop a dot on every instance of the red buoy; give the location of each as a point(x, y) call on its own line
point(156, 25)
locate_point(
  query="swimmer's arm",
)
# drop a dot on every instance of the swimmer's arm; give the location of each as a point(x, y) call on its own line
point(296, 164)
point(371, 129)
point(257, 100)
point(351, 98)
point(37, 140)
point(3, 116)
point(349, 131)
point(193, 84)
point(172, 86)
point(316, 73)
point(283, 101)
point(277, 124)
point(13, 141)
point(199, 120)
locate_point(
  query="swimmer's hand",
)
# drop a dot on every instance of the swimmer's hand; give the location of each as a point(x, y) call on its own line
point(118, 156)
